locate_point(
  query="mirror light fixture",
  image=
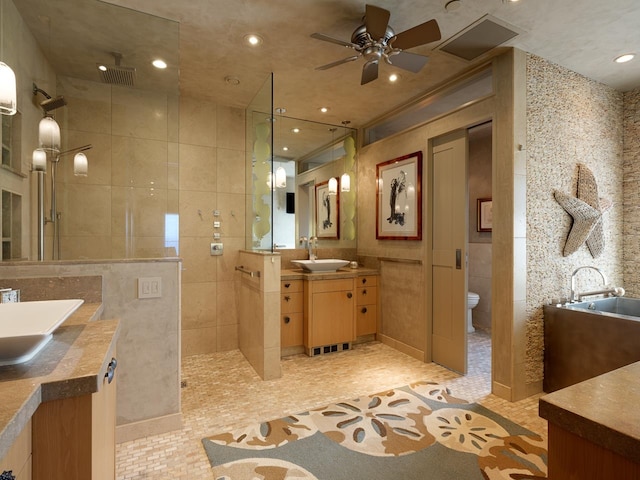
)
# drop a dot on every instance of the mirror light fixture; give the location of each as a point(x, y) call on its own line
point(333, 186)
point(281, 177)
point(39, 160)
point(49, 134)
point(8, 96)
point(80, 165)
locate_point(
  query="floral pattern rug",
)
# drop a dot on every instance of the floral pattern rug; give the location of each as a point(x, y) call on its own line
point(420, 431)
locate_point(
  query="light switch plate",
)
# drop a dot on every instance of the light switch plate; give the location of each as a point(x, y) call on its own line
point(149, 287)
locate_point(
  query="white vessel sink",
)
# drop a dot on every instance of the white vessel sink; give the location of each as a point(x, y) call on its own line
point(321, 265)
point(26, 327)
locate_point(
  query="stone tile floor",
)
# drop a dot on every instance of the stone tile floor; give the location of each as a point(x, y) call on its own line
point(223, 392)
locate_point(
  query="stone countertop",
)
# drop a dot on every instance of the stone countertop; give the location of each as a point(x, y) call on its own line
point(346, 272)
point(72, 363)
point(604, 410)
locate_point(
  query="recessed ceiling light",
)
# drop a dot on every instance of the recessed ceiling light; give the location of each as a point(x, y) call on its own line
point(627, 57)
point(286, 149)
point(324, 109)
point(161, 64)
point(295, 130)
point(102, 68)
point(394, 77)
point(253, 40)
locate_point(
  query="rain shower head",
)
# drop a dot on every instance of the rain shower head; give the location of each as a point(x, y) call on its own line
point(49, 103)
point(117, 74)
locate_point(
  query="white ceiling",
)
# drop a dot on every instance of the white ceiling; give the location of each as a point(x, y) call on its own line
point(582, 35)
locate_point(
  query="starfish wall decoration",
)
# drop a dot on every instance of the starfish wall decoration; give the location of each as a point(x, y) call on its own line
point(586, 210)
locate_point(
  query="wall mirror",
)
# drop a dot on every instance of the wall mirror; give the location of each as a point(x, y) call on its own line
point(309, 154)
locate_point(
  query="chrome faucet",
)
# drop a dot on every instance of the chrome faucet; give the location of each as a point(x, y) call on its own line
point(576, 297)
point(313, 243)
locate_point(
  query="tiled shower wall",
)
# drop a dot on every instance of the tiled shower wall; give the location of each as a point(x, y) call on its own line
point(570, 119)
point(632, 192)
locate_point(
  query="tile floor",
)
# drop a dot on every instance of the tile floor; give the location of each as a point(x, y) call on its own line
point(223, 392)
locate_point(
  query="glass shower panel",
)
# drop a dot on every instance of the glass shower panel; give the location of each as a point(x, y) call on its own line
point(259, 161)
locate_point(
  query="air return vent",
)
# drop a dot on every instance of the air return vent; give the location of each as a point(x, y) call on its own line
point(480, 37)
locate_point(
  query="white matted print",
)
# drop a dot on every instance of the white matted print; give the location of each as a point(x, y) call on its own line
point(399, 198)
point(327, 212)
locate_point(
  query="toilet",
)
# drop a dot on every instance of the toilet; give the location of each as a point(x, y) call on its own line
point(472, 301)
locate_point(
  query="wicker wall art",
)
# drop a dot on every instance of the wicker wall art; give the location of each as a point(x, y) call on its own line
point(586, 211)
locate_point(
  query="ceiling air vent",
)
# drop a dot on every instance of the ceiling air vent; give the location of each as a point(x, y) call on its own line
point(481, 36)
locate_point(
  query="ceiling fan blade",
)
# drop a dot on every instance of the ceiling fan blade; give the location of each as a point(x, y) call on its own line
point(326, 38)
point(419, 35)
point(369, 72)
point(376, 20)
point(339, 62)
point(409, 61)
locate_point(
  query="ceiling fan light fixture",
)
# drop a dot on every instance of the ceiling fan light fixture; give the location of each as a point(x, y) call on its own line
point(627, 57)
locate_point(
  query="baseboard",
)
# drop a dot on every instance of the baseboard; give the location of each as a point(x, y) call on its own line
point(501, 391)
point(145, 428)
point(402, 347)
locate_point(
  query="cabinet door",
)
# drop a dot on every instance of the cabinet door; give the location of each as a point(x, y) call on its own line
point(291, 330)
point(18, 459)
point(333, 314)
point(366, 319)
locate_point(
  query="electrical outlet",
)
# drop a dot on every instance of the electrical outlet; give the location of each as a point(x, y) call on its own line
point(149, 287)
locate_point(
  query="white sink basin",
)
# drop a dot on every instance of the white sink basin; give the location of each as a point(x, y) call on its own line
point(26, 327)
point(321, 265)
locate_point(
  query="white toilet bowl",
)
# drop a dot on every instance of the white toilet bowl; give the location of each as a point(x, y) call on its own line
point(472, 301)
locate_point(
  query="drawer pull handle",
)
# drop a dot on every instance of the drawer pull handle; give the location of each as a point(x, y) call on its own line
point(364, 292)
point(111, 370)
point(349, 294)
point(287, 285)
point(287, 298)
point(287, 319)
point(364, 280)
point(364, 310)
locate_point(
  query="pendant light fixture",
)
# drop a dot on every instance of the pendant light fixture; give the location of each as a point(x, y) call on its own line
point(8, 97)
point(345, 180)
point(80, 165)
point(49, 134)
point(39, 160)
point(333, 182)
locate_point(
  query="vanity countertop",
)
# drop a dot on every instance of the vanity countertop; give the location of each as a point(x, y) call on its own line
point(346, 272)
point(71, 364)
point(604, 410)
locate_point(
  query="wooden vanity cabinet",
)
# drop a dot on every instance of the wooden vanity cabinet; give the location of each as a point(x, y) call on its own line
point(74, 438)
point(291, 313)
point(330, 312)
point(367, 305)
point(18, 459)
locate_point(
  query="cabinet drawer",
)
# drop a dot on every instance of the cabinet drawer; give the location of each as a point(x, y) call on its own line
point(367, 295)
point(366, 320)
point(367, 280)
point(291, 330)
point(291, 302)
point(291, 286)
point(338, 285)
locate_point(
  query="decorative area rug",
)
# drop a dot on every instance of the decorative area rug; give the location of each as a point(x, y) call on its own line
point(420, 431)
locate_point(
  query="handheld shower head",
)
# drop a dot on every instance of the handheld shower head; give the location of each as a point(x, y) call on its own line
point(49, 103)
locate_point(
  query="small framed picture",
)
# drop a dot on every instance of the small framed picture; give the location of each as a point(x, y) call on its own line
point(399, 198)
point(327, 212)
point(485, 216)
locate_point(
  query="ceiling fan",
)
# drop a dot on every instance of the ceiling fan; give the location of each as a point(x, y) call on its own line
point(376, 40)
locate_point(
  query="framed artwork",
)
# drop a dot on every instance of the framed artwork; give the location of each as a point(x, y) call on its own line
point(399, 198)
point(327, 212)
point(485, 216)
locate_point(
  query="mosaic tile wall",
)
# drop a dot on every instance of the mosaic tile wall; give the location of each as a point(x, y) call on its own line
point(632, 192)
point(570, 119)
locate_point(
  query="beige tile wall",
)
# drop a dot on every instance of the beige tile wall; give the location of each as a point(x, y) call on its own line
point(211, 177)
